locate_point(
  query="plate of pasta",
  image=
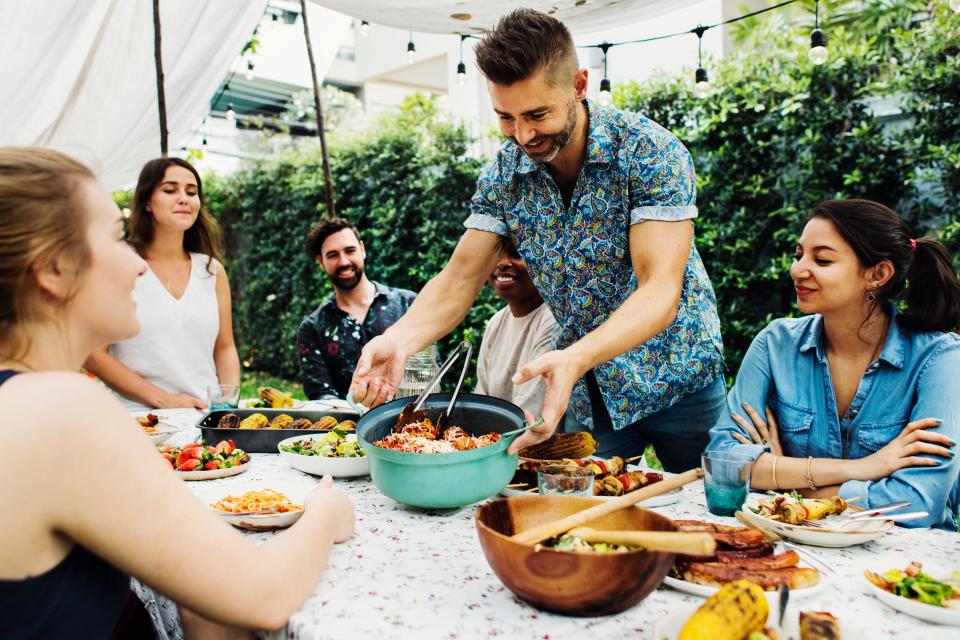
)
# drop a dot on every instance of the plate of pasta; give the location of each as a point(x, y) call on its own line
point(255, 507)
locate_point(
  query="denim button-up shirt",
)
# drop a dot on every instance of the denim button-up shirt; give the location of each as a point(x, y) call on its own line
point(916, 376)
point(579, 255)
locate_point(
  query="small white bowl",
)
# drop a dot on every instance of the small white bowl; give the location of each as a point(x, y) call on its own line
point(262, 522)
point(319, 465)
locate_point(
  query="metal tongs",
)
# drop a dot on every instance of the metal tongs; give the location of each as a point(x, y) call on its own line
point(413, 413)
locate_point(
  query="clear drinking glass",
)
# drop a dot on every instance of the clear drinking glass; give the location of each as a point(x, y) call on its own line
point(566, 480)
point(223, 396)
point(420, 367)
point(726, 481)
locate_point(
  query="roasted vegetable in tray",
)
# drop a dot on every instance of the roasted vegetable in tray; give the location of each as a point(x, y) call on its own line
point(283, 421)
point(578, 444)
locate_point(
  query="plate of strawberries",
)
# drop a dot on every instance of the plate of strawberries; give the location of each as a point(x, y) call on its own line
point(197, 461)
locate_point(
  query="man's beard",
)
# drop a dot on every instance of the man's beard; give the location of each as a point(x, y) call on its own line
point(557, 140)
point(349, 283)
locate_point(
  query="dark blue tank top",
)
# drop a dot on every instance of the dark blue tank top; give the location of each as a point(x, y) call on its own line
point(82, 597)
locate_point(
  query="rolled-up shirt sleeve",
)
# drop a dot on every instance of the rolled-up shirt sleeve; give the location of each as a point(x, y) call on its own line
point(662, 180)
point(925, 488)
point(753, 385)
point(486, 213)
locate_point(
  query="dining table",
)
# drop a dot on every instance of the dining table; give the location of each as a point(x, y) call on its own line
point(420, 573)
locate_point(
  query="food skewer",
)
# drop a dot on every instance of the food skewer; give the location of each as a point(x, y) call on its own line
point(769, 534)
point(633, 459)
point(693, 544)
point(517, 485)
point(557, 527)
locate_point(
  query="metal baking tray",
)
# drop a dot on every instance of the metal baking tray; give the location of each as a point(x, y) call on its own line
point(264, 440)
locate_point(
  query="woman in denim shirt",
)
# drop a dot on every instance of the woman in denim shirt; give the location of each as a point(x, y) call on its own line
point(862, 401)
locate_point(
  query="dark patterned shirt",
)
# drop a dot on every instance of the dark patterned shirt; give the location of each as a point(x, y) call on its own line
point(330, 340)
point(579, 255)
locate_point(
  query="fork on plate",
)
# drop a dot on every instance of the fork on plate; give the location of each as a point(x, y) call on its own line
point(845, 523)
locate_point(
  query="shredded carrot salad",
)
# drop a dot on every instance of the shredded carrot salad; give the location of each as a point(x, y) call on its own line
point(266, 501)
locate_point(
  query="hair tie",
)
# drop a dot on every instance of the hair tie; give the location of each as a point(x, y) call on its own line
point(913, 244)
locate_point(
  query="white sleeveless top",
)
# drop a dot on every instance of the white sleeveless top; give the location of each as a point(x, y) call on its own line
point(174, 349)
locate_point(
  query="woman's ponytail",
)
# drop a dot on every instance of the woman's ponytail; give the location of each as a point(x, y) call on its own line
point(933, 290)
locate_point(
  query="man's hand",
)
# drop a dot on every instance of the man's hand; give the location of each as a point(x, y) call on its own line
point(560, 371)
point(379, 371)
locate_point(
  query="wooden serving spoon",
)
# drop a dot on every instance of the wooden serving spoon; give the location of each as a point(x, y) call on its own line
point(557, 527)
point(691, 544)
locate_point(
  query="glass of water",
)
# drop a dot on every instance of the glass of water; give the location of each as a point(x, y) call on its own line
point(726, 481)
point(223, 396)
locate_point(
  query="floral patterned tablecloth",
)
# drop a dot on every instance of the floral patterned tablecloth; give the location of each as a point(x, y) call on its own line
point(410, 573)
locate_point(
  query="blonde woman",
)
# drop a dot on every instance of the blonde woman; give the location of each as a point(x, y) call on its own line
point(87, 500)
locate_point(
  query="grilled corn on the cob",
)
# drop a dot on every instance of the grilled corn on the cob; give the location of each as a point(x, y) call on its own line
point(326, 422)
point(254, 421)
point(280, 422)
point(276, 399)
point(735, 611)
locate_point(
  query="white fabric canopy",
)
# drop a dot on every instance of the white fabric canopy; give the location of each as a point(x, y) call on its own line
point(79, 75)
point(457, 16)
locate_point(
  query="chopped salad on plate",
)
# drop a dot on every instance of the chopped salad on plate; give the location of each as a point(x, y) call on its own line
point(334, 444)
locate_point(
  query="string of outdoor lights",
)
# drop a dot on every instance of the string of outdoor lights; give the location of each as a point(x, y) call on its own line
point(818, 48)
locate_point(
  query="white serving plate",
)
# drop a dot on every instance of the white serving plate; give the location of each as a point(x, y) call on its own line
point(264, 522)
point(163, 432)
point(212, 474)
point(668, 628)
point(705, 591)
point(822, 537)
point(915, 608)
point(670, 497)
point(319, 465)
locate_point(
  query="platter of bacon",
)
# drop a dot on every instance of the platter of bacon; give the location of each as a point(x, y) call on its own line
point(612, 477)
point(742, 554)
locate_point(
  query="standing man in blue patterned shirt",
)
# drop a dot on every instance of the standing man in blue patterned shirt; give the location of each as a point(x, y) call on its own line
point(599, 203)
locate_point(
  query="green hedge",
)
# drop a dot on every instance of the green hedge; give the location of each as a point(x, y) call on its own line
point(780, 134)
point(777, 136)
point(406, 184)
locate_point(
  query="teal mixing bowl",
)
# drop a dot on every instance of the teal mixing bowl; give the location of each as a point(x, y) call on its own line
point(443, 480)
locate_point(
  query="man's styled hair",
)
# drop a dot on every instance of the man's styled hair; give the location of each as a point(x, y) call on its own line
point(323, 229)
point(524, 42)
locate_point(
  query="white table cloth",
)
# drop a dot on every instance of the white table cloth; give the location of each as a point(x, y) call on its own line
point(411, 573)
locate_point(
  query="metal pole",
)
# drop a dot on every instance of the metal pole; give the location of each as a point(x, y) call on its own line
point(161, 99)
point(328, 178)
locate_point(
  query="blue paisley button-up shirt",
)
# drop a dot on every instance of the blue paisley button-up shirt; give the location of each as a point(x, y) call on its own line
point(579, 256)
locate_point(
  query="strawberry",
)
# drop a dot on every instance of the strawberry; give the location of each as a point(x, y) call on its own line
point(169, 459)
point(183, 457)
point(189, 465)
point(193, 445)
point(225, 447)
point(213, 464)
point(195, 453)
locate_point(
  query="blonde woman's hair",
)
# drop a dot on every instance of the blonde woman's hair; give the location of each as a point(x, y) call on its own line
point(41, 219)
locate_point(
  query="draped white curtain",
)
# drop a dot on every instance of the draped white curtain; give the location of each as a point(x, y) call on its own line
point(78, 75)
point(458, 16)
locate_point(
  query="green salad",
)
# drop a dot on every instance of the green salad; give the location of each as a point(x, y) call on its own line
point(921, 587)
point(333, 444)
point(573, 543)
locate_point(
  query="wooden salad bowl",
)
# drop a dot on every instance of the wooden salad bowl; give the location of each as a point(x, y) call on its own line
point(574, 584)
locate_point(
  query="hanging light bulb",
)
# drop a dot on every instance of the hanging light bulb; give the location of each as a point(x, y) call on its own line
point(274, 22)
point(364, 28)
point(701, 82)
point(955, 5)
point(606, 97)
point(818, 47)
point(411, 50)
point(461, 68)
point(702, 87)
point(203, 143)
point(231, 115)
point(249, 74)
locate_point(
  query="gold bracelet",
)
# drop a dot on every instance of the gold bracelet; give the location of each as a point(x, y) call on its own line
point(810, 484)
point(775, 483)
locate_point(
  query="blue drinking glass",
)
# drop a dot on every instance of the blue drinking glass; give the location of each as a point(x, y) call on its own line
point(726, 481)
